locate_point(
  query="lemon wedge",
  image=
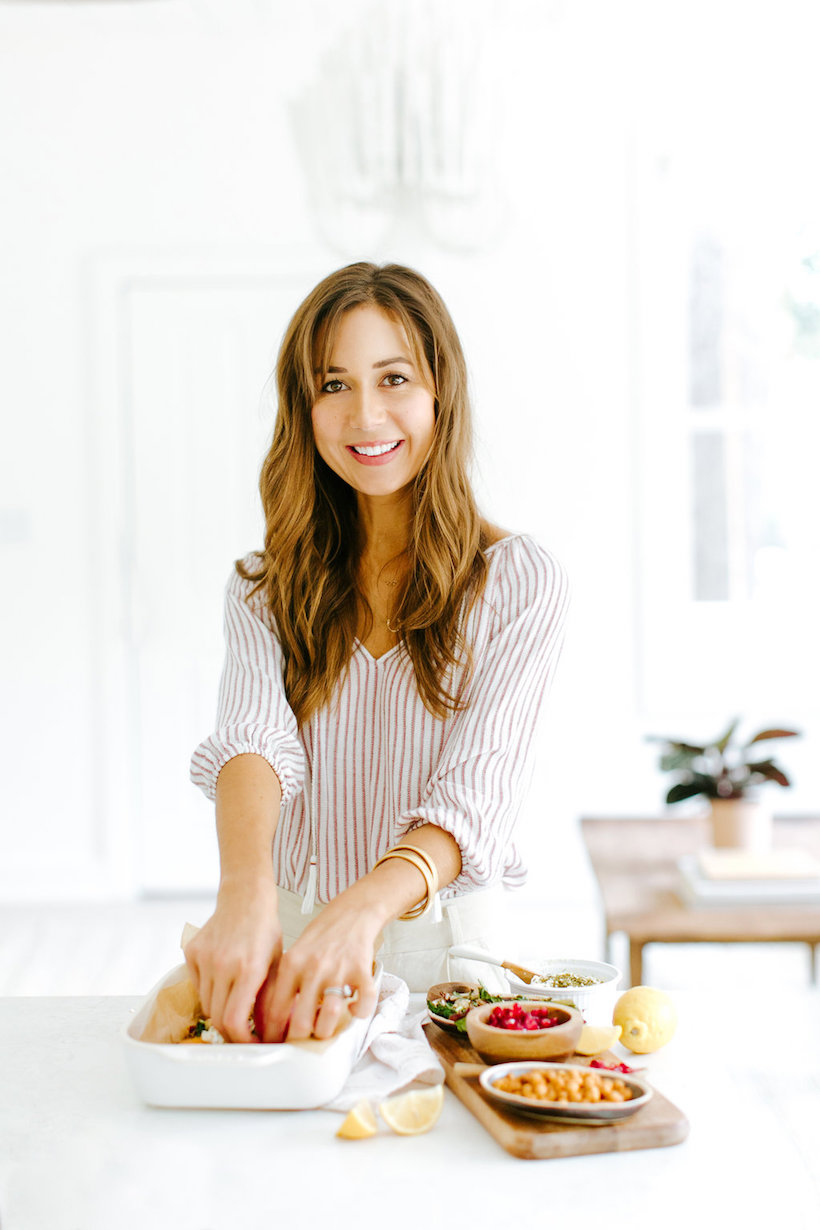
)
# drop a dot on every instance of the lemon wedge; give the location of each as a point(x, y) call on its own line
point(597, 1038)
point(359, 1123)
point(415, 1112)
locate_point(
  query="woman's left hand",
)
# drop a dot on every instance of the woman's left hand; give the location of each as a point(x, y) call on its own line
point(336, 949)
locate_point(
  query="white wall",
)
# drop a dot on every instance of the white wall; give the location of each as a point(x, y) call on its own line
point(155, 231)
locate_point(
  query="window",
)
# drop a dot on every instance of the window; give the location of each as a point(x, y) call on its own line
point(728, 505)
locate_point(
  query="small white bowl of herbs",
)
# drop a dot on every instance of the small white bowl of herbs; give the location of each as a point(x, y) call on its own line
point(589, 986)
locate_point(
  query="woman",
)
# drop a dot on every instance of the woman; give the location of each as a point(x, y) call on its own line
point(387, 656)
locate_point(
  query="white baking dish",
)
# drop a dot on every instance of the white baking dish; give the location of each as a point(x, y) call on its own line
point(239, 1076)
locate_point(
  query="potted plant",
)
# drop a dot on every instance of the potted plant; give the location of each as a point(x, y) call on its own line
point(727, 772)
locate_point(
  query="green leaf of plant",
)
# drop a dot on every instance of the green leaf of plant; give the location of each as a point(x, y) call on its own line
point(676, 745)
point(726, 739)
point(678, 758)
point(700, 784)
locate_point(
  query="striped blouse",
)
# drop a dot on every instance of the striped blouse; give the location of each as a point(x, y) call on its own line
point(376, 763)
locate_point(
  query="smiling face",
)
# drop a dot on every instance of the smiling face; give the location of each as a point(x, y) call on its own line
point(374, 413)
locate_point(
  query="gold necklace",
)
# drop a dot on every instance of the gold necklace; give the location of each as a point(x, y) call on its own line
point(379, 579)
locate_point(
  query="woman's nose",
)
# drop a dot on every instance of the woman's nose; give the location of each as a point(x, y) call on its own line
point(366, 408)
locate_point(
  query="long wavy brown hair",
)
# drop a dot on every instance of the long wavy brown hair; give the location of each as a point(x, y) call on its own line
point(309, 569)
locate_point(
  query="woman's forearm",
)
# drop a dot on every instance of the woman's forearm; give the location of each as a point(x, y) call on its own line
point(232, 954)
point(395, 886)
point(248, 798)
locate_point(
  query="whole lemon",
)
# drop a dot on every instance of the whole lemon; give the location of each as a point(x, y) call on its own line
point(647, 1018)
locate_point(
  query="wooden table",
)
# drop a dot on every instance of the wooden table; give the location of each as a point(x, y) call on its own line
point(635, 863)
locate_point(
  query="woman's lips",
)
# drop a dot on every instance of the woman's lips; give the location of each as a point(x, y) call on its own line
point(391, 448)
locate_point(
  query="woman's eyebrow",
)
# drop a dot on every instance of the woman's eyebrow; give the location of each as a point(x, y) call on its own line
point(399, 358)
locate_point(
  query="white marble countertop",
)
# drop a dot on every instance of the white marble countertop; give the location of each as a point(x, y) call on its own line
point(79, 1151)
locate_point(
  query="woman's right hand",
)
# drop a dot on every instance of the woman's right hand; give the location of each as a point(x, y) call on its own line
point(231, 955)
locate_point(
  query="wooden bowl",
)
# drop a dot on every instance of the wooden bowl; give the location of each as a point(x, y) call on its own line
point(448, 988)
point(496, 1045)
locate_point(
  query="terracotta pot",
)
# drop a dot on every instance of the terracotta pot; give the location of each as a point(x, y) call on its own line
point(741, 824)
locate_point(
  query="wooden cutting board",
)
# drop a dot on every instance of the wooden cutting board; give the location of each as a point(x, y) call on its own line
point(654, 1125)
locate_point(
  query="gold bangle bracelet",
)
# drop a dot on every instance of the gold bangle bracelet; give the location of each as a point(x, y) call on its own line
point(424, 865)
point(422, 854)
point(414, 853)
point(409, 856)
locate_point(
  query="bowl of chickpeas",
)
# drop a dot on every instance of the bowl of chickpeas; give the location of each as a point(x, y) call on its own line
point(523, 1029)
point(572, 1092)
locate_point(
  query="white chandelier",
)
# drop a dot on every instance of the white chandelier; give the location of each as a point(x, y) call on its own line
point(401, 120)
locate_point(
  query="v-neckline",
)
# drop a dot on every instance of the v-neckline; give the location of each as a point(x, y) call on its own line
point(359, 645)
point(393, 648)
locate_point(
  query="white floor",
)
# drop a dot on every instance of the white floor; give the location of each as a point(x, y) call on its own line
point(124, 948)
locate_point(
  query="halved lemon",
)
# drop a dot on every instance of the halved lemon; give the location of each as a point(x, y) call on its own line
point(359, 1123)
point(415, 1112)
point(597, 1038)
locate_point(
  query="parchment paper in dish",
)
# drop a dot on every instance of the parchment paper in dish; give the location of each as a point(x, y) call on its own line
point(176, 1007)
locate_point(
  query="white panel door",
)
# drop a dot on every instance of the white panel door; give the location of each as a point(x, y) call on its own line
point(198, 358)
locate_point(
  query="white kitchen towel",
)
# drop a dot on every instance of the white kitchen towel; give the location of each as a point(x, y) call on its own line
point(394, 1052)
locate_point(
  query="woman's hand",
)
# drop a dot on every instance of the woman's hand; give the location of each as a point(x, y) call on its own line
point(233, 953)
point(336, 948)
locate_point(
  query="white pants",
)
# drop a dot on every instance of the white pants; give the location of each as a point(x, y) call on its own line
point(418, 950)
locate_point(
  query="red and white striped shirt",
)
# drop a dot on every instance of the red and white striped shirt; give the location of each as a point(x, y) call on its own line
point(376, 763)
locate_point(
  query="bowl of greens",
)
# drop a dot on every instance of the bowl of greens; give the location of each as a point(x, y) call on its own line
point(449, 1002)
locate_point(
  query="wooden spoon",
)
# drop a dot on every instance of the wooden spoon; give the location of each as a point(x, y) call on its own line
point(478, 954)
point(469, 1069)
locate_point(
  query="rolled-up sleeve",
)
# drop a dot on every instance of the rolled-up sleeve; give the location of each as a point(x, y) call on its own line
point(253, 713)
point(485, 768)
